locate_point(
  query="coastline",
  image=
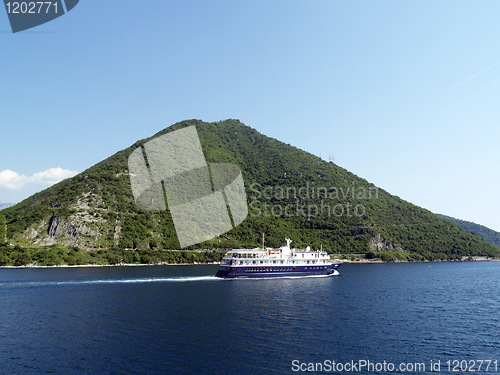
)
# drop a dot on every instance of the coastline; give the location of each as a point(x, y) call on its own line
point(348, 261)
point(379, 261)
point(112, 265)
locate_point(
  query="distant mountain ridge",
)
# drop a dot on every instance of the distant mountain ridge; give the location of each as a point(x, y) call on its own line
point(487, 234)
point(290, 193)
point(5, 205)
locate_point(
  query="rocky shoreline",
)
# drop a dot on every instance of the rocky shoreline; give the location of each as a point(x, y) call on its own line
point(114, 265)
point(357, 261)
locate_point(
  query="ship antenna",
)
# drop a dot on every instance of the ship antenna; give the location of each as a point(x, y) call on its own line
point(262, 240)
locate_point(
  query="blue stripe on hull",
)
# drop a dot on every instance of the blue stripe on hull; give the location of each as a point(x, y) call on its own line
point(261, 271)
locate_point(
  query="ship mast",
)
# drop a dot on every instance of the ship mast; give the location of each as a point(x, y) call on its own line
point(262, 241)
point(263, 244)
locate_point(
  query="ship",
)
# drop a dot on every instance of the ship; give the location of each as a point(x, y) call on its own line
point(282, 262)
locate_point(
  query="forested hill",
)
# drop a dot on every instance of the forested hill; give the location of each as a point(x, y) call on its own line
point(286, 188)
point(487, 234)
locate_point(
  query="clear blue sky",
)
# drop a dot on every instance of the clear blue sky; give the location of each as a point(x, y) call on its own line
point(404, 94)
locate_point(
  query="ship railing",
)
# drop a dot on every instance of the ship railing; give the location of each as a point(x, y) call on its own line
point(244, 256)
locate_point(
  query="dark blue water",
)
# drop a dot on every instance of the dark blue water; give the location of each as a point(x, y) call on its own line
point(181, 320)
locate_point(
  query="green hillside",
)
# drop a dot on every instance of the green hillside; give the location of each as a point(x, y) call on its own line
point(290, 193)
point(487, 234)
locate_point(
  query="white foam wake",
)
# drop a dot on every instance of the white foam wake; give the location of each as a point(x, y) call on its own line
point(181, 279)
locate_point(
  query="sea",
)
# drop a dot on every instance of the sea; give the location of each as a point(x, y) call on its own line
point(387, 318)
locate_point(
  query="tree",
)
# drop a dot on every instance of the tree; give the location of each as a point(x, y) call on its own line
point(3, 229)
point(23, 256)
